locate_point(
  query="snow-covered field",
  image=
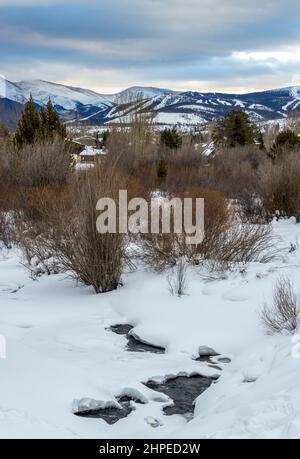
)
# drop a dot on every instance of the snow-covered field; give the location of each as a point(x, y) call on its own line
point(59, 352)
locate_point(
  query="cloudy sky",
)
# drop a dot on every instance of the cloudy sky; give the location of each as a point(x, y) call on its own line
point(108, 45)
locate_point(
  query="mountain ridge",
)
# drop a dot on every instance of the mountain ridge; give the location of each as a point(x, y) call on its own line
point(170, 107)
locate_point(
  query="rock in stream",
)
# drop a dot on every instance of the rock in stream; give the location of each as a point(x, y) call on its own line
point(134, 344)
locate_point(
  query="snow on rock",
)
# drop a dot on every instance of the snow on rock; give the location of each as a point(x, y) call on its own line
point(89, 404)
point(206, 351)
point(134, 394)
point(138, 338)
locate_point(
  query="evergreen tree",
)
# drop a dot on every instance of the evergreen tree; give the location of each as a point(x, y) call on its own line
point(260, 140)
point(28, 128)
point(233, 130)
point(286, 139)
point(50, 123)
point(171, 138)
point(36, 126)
point(105, 137)
point(161, 170)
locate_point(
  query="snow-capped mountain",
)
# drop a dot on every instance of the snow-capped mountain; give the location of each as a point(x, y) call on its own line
point(64, 96)
point(170, 107)
point(146, 92)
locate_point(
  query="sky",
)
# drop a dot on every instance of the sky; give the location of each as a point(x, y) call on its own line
point(232, 46)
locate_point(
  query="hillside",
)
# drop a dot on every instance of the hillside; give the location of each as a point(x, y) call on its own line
point(170, 107)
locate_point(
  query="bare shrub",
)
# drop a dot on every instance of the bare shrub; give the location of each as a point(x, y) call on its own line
point(162, 250)
point(293, 121)
point(228, 158)
point(39, 258)
point(33, 167)
point(237, 174)
point(239, 243)
point(133, 137)
point(133, 157)
point(269, 135)
point(92, 258)
point(283, 315)
point(4, 132)
point(227, 241)
point(72, 238)
point(183, 176)
point(136, 120)
point(43, 164)
point(7, 232)
point(33, 223)
point(8, 169)
point(177, 280)
point(281, 186)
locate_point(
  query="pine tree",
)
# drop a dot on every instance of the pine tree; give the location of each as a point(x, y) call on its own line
point(105, 137)
point(28, 128)
point(286, 139)
point(171, 138)
point(258, 137)
point(233, 130)
point(162, 170)
point(38, 126)
point(50, 123)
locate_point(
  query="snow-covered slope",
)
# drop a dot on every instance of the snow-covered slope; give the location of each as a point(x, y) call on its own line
point(64, 96)
point(12, 91)
point(145, 92)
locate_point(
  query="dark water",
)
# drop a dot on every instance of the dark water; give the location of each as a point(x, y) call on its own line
point(183, 390)
point(122, 329)
point(224, 360)
point(211, 363)
point(133, 345)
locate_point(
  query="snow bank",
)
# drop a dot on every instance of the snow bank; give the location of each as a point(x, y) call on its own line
point(60, 353)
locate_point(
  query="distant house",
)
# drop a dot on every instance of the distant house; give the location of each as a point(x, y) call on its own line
point(91, 154)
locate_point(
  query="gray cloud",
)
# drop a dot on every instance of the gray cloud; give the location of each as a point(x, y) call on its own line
point(196, 42)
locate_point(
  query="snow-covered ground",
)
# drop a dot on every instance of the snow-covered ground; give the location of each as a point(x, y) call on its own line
point(59, 352)
point(169, 118)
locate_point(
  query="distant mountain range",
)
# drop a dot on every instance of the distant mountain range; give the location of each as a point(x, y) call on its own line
point(170, 107)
